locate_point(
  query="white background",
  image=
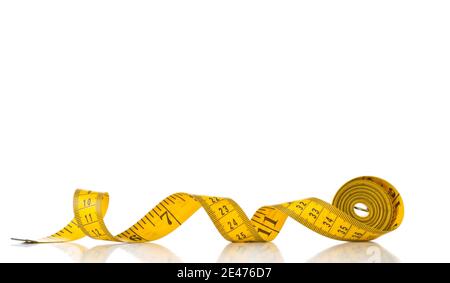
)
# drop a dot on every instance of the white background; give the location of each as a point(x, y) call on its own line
point(261, 101)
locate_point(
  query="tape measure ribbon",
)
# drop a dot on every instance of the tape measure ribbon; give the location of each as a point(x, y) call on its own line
point(340, 220)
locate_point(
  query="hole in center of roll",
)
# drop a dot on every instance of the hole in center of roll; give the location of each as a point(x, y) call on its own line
point(361, 210)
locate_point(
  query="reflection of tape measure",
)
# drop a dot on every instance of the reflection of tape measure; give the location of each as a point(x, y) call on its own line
point(361, 252)
point(338, 221)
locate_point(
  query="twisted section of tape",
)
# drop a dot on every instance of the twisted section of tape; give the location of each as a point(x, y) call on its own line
point(339, 220)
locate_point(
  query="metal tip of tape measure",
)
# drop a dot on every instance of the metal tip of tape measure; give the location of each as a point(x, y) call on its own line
point(25, 241)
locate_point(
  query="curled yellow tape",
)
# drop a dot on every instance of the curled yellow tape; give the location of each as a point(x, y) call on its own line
point(339, 220)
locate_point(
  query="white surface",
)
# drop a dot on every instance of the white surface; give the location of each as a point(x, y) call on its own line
point(260, 101)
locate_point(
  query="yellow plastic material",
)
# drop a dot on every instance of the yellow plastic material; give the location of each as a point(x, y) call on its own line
point(337, 220)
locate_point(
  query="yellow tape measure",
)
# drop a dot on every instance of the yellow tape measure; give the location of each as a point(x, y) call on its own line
point(339, 220)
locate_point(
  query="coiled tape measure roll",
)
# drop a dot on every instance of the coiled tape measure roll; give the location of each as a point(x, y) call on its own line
point(338, 220)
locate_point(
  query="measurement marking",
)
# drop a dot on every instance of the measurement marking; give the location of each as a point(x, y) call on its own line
point(84, 207)
point(165, 202)
point(214, 203)
point(396, 197)
point(96, 233)
point(318, 216)
point(348, 230)
point(235, 227)
point(306, 206)
point(150, 213)
point(138, 234)
point(171, 214)
point(266, 226)
point(225, 214)
point(177, 195)
point(157, 206)
point(149, 220)
point(363, 235)
point(256, 216)
point(334, 221)
point(169, 199)
point(155, 212)
point(89, 223)
point(68, 230)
